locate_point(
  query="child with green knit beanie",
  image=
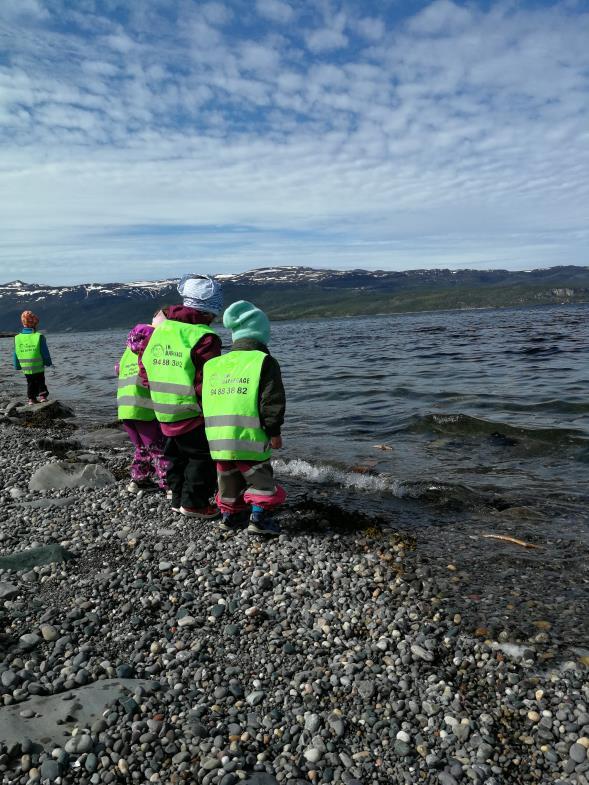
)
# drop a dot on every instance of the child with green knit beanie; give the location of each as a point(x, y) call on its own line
point(243, 403)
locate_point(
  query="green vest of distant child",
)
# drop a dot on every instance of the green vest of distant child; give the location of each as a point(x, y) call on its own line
point(170, 369)
point(133, 399)
point(230, 406)
point(28, 352)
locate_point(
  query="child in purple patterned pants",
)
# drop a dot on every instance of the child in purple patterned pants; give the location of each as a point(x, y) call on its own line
point(149, 463)
point(137, 415)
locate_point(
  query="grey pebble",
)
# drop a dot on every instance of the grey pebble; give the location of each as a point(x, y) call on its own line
point(578, 753)
point(50, 770)
point(79, 744)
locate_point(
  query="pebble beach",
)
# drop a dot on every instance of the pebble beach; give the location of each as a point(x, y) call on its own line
point(140, 646)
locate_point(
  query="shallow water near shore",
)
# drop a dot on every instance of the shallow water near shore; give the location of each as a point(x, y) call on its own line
point(452, 425)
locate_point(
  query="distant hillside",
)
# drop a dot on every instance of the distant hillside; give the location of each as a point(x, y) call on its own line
point(298, 292)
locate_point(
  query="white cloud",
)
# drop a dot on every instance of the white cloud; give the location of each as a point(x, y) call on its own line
point(370, 27)
point(457, 135)
point(216, 13)
point(14, 9)
point(326, 40)
point(442, 16)
point(275, 10)
point(258, 57)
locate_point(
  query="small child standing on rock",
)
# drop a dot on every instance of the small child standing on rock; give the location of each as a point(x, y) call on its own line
point(31, 356)
point(243, 403)
point(135, 409)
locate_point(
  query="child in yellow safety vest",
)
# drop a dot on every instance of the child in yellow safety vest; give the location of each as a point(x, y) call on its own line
point(31, 356)
point(138, 418)
point(174, 359)
point(243, 402)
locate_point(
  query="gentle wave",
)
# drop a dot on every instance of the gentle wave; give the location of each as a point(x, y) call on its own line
point(427, 491)
point(326, 474)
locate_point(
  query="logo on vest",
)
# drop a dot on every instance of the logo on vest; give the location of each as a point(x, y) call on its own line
point(165, 355)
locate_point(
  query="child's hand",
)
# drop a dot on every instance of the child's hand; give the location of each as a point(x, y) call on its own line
point(276, 442)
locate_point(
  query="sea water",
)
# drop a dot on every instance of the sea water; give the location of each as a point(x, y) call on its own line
point(496, 400)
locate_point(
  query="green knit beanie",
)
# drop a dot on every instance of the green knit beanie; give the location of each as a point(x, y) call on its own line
point(246, 321)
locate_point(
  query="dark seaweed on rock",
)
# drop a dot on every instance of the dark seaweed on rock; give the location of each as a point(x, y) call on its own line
point(466, 425)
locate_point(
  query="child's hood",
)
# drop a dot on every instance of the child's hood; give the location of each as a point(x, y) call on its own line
point(182, 313)
point(138, 338)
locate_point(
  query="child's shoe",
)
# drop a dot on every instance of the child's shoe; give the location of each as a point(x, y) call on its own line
point(32, 401)
point(43, 398)
point(233, 521)
point(135, 487)
point(262, 523)
point(200, 512)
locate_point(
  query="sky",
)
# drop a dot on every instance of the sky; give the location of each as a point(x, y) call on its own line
point(142, 139)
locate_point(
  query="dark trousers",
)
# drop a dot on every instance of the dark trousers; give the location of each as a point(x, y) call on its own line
point(192, 474)
point(36, 385)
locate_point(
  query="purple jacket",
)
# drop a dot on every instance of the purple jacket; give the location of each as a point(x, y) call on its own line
point(137, 341)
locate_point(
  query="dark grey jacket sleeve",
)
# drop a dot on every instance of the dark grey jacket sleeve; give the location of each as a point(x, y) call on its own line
point(272, 398)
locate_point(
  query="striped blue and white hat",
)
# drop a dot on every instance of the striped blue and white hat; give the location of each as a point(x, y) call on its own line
point(201, 292)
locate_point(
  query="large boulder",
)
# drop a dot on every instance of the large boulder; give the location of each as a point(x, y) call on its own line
point(8, 591)
point(43, 413)
point(55, 715)
point(33, 557)
point(65, 474)
point(12, 406)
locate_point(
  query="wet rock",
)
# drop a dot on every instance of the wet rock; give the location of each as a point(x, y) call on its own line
point(444, 778)
point(578, 753)
point(66, 474)
point(51, 715)
point(7, 591)
point(254, 698)
point(79, 744)
point(421, 653)
point(50, 770)
point(48, 632)
point(29, 641)
point(34, 557)
point(44, 413)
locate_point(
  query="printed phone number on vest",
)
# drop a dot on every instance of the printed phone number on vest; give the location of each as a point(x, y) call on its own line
point(176, 363)
point(229, 391)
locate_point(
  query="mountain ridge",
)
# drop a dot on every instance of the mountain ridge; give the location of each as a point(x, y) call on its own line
point(298, 292)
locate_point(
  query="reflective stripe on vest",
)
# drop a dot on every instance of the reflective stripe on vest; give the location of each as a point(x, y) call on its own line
point(170, 369)
point(230, 406)
point(133, 401)
point(28, 352)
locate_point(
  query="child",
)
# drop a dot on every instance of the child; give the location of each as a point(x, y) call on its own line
point(177, 351)
point(135, 409)
point(31, 355)
point(243, 403)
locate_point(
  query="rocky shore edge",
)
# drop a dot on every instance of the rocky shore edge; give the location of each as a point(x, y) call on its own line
point(139, 646)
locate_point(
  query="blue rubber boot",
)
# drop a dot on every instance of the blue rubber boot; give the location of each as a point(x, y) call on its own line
point(262, 523)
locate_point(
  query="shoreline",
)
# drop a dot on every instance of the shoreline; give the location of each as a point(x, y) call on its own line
point(335, 653)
